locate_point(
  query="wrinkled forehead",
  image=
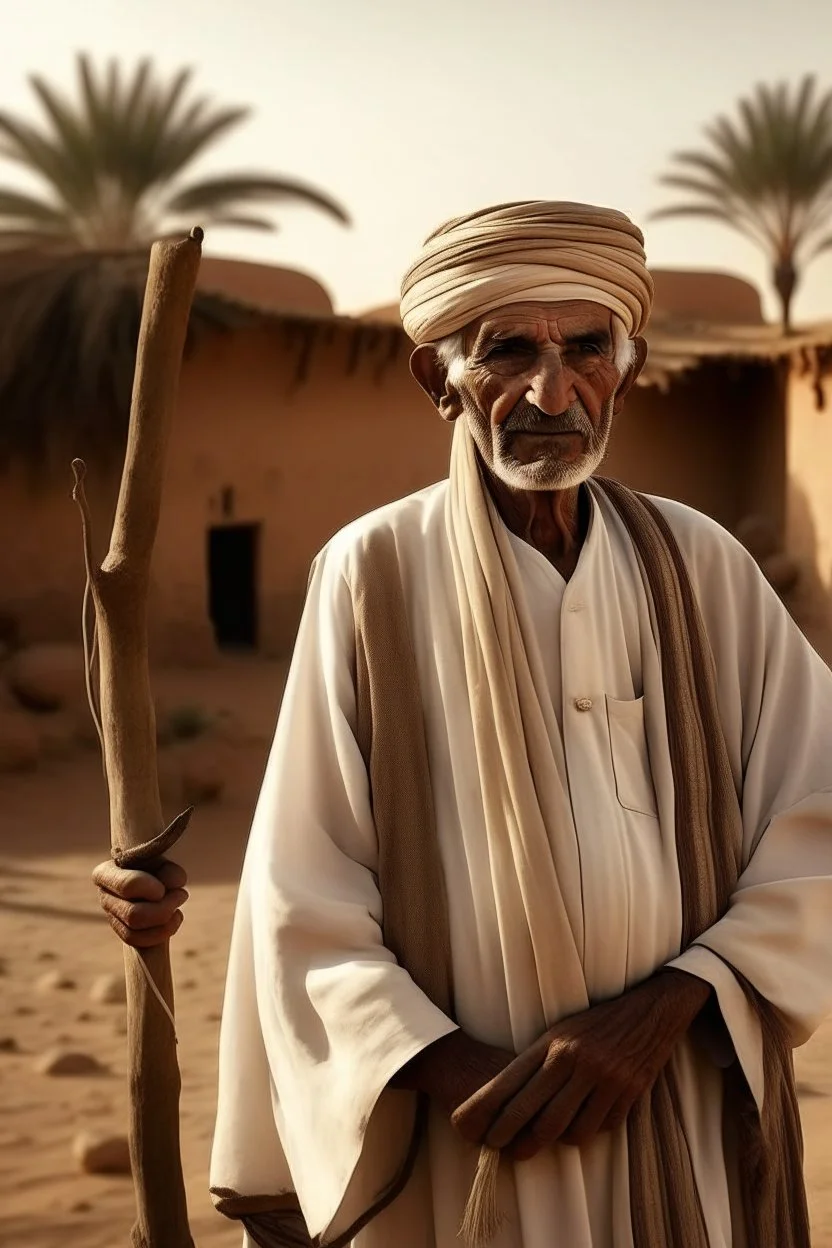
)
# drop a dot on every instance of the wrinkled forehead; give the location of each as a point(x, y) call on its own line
point(555, 319)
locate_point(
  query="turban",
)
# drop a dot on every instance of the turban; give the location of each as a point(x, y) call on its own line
point(537, 251)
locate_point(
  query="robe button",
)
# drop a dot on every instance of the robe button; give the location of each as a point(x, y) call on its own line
point(583, 704)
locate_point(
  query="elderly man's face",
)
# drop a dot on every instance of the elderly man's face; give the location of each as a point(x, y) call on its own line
point(539, 386)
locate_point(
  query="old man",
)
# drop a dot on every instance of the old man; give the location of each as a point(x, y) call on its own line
point(538, 896)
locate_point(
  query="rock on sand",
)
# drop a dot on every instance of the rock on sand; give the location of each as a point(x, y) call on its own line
point(109, 990)
point(67, 1062)
point(55, 981)
point(101, 1154)
point(47, 677)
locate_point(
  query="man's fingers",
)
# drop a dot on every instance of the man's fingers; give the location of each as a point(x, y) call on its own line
point(555, 1117)
point(172, 875)
point(150, 936)
point(545, 1128)
point(142, 906)
point(523, 1147)
point(131, 885)
point(618, 1113)
point(590, 1118)
point(139, 885)
point(519, 1112)
point(474, 1118)
point(140, 916)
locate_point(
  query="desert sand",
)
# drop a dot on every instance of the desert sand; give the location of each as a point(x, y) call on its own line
point(53, 829)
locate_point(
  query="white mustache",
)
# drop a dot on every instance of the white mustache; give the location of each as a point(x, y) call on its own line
point(530, 419)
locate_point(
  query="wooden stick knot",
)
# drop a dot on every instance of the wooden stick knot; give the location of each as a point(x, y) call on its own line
point(135, 857)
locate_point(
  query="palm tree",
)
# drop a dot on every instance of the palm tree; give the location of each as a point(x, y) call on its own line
point(768, 175)
point(112, 164)
point(73, 260)
point(69, 325)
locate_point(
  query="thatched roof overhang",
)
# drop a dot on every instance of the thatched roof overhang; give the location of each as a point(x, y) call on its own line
point(676, 347)
point(68, 330)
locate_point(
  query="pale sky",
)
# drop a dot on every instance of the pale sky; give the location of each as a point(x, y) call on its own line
point(411, 113)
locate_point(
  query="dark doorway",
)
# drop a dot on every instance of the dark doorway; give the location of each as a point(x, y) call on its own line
point(232, 584)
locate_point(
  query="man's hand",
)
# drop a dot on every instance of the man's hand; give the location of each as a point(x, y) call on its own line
point(585, 1074)
point(452, 1070)
point(143, 908)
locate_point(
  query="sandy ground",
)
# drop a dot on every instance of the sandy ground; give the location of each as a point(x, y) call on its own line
point(53, 829)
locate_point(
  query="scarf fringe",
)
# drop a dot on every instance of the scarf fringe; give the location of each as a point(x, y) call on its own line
point(482, 1218)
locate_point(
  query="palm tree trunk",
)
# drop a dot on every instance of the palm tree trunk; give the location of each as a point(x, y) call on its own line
point(785, 283)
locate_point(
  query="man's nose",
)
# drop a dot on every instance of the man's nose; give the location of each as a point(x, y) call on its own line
point(551, 389)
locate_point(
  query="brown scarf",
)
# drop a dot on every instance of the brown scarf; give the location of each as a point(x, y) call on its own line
point(665, 1204)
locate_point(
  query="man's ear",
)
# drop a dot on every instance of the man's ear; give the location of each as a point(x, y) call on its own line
point(631, 376)
point(432, 375)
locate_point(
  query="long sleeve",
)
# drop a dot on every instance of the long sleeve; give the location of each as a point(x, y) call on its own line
point(334, 1015)
point(776, 698)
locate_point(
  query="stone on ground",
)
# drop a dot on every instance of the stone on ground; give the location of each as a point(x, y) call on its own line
point(101, 1154)
point(61, 1062)
point(109, 990)
point(55, 981)
point(48, 677)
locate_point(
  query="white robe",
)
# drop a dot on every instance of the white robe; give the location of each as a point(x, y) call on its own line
point(318, 1015)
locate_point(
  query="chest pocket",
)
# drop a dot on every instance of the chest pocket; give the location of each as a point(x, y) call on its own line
point(630, 758)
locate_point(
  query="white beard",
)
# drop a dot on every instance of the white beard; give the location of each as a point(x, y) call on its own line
point(555, 475)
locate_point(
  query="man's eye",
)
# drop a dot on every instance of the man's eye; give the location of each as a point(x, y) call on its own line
point(511, 346)
point(587, 348)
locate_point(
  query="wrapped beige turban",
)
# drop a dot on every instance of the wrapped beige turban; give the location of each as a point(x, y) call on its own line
point(537, 251)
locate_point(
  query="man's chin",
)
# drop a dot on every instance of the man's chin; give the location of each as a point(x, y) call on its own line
point(547, 474)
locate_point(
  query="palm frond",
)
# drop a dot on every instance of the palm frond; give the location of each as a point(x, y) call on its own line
point(699, 186)
point(81, 313)
point(825, 244)
point(17, 206)
point(73, 261)
point(100, 101)
point(715, 172)
point(214, 194)
point(22, 144)
point(767, 171)
point(168, 100)
point(710, 213)
point(730, 212)
point(113, 157)
point(234, 221)
point(179, 145)
point(66, 122)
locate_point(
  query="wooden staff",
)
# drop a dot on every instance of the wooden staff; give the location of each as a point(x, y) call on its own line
point(125, 717)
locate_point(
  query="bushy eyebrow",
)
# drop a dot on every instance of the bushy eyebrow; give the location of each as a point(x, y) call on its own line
point(502, 334)
point(595, 337)
point(486, 337)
